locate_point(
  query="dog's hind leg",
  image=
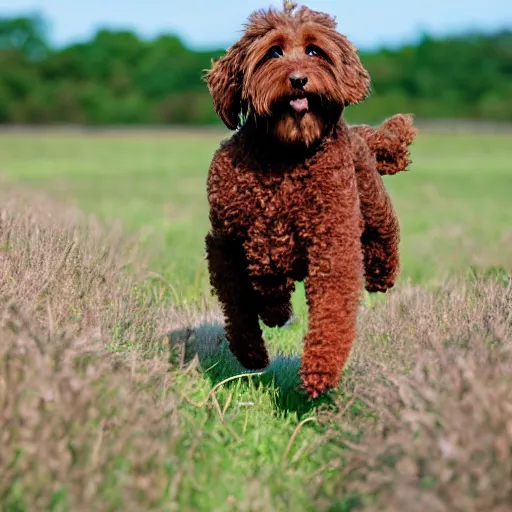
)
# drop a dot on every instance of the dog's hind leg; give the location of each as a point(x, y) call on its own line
point(381, 230)
point(274, 299)
point(229, 278)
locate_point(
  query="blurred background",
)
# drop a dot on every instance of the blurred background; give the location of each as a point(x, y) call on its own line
point(102, 105)
point(132, 62)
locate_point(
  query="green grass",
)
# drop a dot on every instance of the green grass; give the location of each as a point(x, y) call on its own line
point(455, 213)
point(453, 204)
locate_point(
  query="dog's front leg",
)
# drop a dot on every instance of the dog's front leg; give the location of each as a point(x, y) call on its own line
point(229, 278)
point(333, 290)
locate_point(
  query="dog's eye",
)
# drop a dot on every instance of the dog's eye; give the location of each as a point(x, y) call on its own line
point(275, 52)
point(313, 51)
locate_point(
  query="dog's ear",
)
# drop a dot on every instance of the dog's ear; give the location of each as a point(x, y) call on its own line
point(354, 78)
point(225, 82)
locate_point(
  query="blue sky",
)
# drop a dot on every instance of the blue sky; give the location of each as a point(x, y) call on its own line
point(206, 23)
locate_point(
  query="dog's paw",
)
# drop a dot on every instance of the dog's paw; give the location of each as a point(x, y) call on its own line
point(276, 315)
point(379, 281)
point(380, 275)
point(379, 285)
point(254, 361)
point(315, 384)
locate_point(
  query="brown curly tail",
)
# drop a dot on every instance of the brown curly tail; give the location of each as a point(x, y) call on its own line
point(390, 142)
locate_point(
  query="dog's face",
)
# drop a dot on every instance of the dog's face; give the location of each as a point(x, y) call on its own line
point(293, 72)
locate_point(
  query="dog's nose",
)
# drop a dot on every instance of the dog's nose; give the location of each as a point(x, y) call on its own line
point(298, 82)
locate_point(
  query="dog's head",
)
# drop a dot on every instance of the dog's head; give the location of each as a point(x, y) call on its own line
point(291, 71)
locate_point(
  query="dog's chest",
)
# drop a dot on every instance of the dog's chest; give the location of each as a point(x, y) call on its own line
point(275, 202)
point(273, 225)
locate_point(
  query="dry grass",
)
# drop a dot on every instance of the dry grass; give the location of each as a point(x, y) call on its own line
point(82, 428)
point(435, 370)
point(92, 415)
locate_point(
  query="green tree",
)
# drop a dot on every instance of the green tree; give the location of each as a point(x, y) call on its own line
point(26, 35)
point(117, 77)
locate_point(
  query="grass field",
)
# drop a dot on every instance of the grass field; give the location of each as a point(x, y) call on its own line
point(422, 418)
point(452, 205)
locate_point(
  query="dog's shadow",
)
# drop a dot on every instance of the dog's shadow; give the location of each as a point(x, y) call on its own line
point(207, 345)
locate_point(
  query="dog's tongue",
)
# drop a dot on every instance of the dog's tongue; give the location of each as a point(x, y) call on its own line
point(300, 105)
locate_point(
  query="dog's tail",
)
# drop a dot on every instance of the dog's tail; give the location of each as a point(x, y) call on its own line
point(390, 142)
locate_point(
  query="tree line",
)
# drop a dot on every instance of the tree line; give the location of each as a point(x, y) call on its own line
point(118, 78)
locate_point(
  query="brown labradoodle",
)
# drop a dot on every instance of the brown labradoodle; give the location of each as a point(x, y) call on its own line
point(296, 194)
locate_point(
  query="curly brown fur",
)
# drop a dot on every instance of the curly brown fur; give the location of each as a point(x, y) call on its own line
point(296, 194)
point(227, 266)
point(389, 142)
